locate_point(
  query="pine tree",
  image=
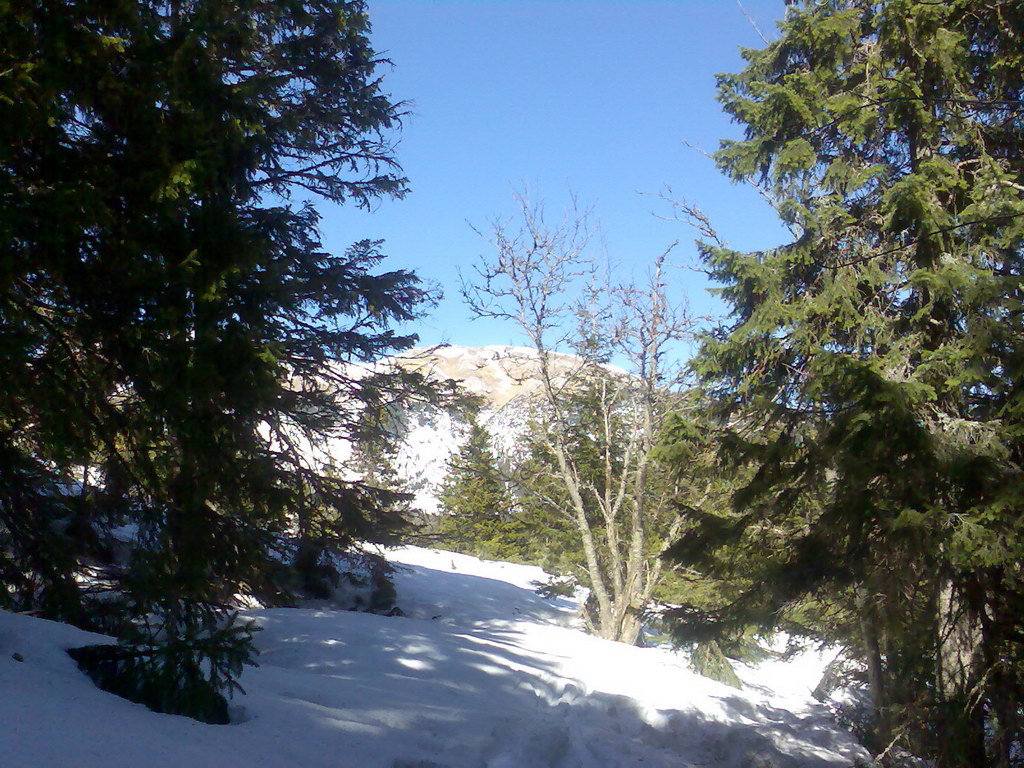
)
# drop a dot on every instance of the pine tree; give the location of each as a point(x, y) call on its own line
point(869, 374)
point(171, 330)
point(476, 504)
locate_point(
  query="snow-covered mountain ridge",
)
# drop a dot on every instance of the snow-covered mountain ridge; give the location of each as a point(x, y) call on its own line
point(504, 378)
point(480, 673)
point(497, 374)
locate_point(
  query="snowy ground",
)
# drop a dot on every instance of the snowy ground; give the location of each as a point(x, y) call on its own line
point(481, 673)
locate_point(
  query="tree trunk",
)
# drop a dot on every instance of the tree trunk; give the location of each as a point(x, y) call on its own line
point(876, 670)
point(958, 673)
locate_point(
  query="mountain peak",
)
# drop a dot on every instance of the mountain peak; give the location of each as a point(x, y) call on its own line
point(495, 373)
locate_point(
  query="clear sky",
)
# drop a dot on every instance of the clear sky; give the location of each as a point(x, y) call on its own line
point(592, 96)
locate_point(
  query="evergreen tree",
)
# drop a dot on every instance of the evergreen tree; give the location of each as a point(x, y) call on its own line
point(870, 373)
point(476, 504)
point(171, 330)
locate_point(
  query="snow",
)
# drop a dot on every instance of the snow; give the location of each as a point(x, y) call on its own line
point(480, 673)
point(431, 436)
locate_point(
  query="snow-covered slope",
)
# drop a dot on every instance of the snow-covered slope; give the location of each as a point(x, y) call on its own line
point(481, 673)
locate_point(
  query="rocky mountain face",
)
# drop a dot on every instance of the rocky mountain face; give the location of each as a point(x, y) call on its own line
point(506, 381)
point(496, 374)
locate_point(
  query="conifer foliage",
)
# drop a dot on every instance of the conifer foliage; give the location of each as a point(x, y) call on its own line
point(476, 503)
point(170, 325)
point(870, 373)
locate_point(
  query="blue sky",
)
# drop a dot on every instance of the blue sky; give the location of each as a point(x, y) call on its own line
point(592, 96)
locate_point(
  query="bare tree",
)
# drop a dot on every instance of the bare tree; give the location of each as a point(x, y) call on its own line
point(543, 279)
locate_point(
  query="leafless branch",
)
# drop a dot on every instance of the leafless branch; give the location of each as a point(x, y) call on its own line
point(753, 23)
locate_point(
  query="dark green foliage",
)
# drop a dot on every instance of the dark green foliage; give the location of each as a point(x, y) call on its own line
point(868, 379)
point(182, 666)
point(708, 660)
point(478, 516)
point(172, 334)
point(703, 489)
point(500, 514)
point(37, 547)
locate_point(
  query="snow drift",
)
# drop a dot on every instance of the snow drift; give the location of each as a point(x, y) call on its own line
point(480, 673)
